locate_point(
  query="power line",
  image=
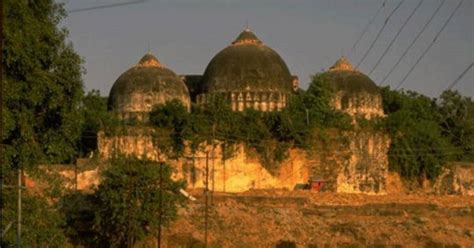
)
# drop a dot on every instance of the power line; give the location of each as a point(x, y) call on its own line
point(106, 6)
point(460, 76)
point(380, 32)
point(366, 28)
point(396, 35)
point(414, 41)
point(431, 45)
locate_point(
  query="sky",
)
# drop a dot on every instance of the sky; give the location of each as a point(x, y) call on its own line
point(310, 35)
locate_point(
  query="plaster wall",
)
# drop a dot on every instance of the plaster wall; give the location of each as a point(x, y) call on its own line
point(351, 162)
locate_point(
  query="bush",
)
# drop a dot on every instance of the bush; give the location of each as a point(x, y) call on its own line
point(418, 147)
point(135, 198)
point(271, 134)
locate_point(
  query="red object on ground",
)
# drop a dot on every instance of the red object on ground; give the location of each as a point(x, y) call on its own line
point(316, 185)
point(28, 182)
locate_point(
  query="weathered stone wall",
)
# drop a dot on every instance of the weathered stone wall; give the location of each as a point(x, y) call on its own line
point(353, 162)
point(456, 179)
point(368, 167)
point(81, 180)
point(362, 104)
point(241, 100)
point(137, 142)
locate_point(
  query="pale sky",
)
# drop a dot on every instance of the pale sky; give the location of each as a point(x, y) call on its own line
point(309, 35)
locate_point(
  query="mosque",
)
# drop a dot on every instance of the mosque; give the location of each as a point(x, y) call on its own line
point(252, 75)
point(247, 72)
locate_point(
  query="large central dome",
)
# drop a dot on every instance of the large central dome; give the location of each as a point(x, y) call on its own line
point(249, 66)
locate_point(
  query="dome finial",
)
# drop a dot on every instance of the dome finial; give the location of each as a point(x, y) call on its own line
point(149, 60)
point(247, 25)
point(246, 37)
point(342, 64)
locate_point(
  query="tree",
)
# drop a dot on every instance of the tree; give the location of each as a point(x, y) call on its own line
point(43, 85)
point(96, 118)
point(172, 117)
point(134, 199)
point(418, 148)
point(42, 223)
point(457, 123)
point(43, 90)
point(79, 209)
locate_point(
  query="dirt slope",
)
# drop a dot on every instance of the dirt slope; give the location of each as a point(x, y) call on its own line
point(268, 218)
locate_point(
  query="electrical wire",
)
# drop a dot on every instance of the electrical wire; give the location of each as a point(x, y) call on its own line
point(430, 45)
point(460, 77)
point(380, 32)
point(105, 6)
point(396, 36)
point(366, 28)
point(422, 30)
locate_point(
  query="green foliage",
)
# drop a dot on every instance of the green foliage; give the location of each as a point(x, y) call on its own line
point(457, 123)
point(424, 134)
point(418, 147)
point(314, 107)
point(129, 199)
point(270, 134)
point(215, 123)
point(125, 207)
point(43, 85)
point(41, 122)
point(173, 118)
point(79, 208)
point(96, 118)
point(374, 124)
point(319, 95)
point(41, 221)
point(318, 100)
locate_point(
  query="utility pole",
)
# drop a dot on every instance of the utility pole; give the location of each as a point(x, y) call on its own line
point(193, 170)
point(1, 127)
point(130, 241)
point(206, 195)
point(75, 175)
point(307, 116)
point(223, 163)
point(160, 216)
point(18, 224)
point(213, 159)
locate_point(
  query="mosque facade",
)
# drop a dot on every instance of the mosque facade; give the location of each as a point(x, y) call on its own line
point(247, 73)
point(250, 75)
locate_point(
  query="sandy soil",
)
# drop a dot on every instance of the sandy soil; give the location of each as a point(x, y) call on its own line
point(276, 218)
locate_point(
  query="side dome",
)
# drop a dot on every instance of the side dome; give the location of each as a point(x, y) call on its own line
point(248, 66)
point(356, 93)
point(146, 84)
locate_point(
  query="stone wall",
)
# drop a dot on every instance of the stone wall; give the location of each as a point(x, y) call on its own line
point(349, 162)
point(137, 142)
point(241, 100)
point(81, 180)
point(365, 104)
point(457, 178)
point(352, 162)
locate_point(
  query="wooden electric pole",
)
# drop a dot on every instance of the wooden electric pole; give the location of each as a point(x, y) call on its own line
point(223, 164)
point(307, 117)
point(213, 160)
point(160, 213)
point(18, 224)
point(206, 195)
